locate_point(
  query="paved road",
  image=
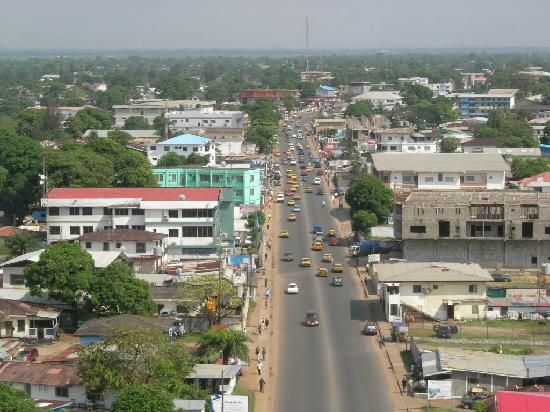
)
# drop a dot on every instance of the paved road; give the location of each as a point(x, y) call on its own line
point(331, 367)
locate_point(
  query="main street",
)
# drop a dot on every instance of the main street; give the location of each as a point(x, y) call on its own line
point(332, 367)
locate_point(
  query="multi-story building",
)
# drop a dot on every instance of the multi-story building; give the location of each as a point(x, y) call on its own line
point(312, 75)
point(404, 139)
point(493, 228)
point(244, 180)
point(193, 219)
point(440, 170)
point(149, 109)
point(422, 81)
point(387, 100)
point(472, 79)
point(326, 92)
point(277, 96)
point(443, 88)
point(205, 118)
point(480, 105)
point(182, 145)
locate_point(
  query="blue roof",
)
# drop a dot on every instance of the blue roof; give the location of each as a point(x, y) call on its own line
point(186, 139)
point(327, 88)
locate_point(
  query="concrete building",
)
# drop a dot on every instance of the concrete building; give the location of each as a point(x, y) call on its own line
point(443, 88)
point(387, 100)
point(535, 71)
point(277, 96)
point(498, 228)
point(422, 81)
point(355, 88)
point(513, 302)
point(480, 105)
point(28, 320)
point(205, 118)
point(405, 140)
point(472, 79)
point(182, 145)
point(440, 170)
point(149, 109)
point(143, 137)
point(228, 141)
point(336, 123)
point(243, 179)
point(479, 145)
point(442, 291)
point(536, 183)
point(194, 219)
point(326, 92)
point(313, 75)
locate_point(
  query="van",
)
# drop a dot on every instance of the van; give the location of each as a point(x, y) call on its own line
point(280, 197)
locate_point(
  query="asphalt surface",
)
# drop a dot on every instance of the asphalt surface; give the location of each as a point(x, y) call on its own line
point(332, 367)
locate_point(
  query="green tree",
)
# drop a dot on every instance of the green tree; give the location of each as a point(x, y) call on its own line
point(116, 290)
point(89, 118)
point(143, 398)
point(415, 93)
point(328, 132)
point(529, 167)
point(264, 124)
point(172, 159)
point(362, 108)
point(120, 137)
point(545, 139)
point(22, 242)
point(198, 291)
point(15, 400)
point(137, 123)
point(369, 193)
point(64, 270)
point(362, 221)
point(38, 124)
point(232, 343)
point(113, 95)
point(480, 406)
point(144, 356)
point(449, 144)
point(160, 124)
point(508, 129)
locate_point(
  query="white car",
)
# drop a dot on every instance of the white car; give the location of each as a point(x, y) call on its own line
point(292, 289)
point(297, 208)
point(317, 181)
point(293, 162)
point(280, 197)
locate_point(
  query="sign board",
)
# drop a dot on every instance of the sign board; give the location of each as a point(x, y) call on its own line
point(440, 389)
point(375, 258)
point(231, 403)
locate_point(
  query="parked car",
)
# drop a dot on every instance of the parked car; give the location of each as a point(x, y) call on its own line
point(501, 277)
point(476, 394)
point(445, 331)
point(28, 355)
point(369, 328)
point(312, 319)
point(334, 241)
point(292, 289)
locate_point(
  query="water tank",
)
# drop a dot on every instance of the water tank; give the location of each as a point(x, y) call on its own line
point(546, 269)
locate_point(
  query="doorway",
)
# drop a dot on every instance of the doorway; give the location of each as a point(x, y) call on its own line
point(9, 329)
point(450, 311)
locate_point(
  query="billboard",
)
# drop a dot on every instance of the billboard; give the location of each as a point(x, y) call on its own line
point(439, 389)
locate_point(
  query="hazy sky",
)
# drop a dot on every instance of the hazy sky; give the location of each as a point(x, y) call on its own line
point(334, 24)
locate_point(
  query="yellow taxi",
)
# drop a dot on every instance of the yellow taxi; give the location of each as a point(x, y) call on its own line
point(309, 169)
point(283, 234)
point(323, 272)
point(292, 217)
point(305, 263)
point(331, 233)
point(337, 268)
point(289, 172)
point(307, 146)
point(327, 257)
point(317, 246)
point(292, 181)
point(309, 189)
point(291, 202)
point(297, 196)
point(293, 188)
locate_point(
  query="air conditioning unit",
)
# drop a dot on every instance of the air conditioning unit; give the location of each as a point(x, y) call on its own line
point(165, 218)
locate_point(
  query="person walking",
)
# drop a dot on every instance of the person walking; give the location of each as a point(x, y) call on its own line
point(257, 352)
point(264, 352)
point(260, 329)
point(267, 323)
point(259, 368)
point(262, 384)
point(404, 383)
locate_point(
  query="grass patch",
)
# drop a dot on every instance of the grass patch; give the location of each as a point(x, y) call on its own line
point(191, 337)
point(407, 358)
point(238, 390)
point(506, 349)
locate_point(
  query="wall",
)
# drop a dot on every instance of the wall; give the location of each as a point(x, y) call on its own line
point(463, 382)
point(15, 270)
point(436, 184)
point(77, 392)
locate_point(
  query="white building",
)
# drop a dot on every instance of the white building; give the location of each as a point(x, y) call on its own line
point(205, 118)
point(443, 291)
point(422, 81)
point(192, 218)
point(388, 100)
point(436, 171)
point(404, 139)
point(442, 89)
point(182, 145)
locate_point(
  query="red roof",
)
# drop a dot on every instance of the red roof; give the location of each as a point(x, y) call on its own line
point(523, 401)
point(543, 177)
point(8, 231)
point(146, 194)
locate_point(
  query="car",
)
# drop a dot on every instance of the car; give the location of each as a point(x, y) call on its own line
point(369, 328)
point(297, 196)
point(320, 191)
point(445, 331)
point(303, 173)
point(309, 169)
point(294, 189)
point(288, 193)
point(327, 257)
point(297, 208)
point(292, 289)
point(323, 272)
point(312, 319)
point(317, 246)
point(317, 181)
point(293, 162)
point(291, 202)
point(28, 355)
point(283, 234)
point(276, 182)
point(292, 217)
point(337, 281)
point(305, 263)
point(309, 189)
point(337, 268)
point(280, 197)
point(501, 277)
point(334, 242)
point(320, 173)
point(288, 257)
point(331, 233)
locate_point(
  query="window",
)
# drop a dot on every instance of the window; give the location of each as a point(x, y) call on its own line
point(417, 289)
point(204, 231)
point(239, 179)
point(166, 148)
point(17, 279)
point(418, 229)
point(62, 391)
point(472, 288)
point(140, 247)
point(74, 211)
point(87, 211)
point(53, 211)
point(470, 179)
point(196, 231)
point(534, 260)
point(408, 179)
point(440, 177)
point(121, 212)
point(204, 178)
point(428, 179)
point(138, 212)
point(195, 149)
point(21, 325)
point(393, 148)
point(547, 230)
point(172, 177)
point(42, 388)
point(394, 309)
point(173, 213)
point(74, 230)
point(251, 192)
point(435, 287)
point(173, 233)
point(238, 192)
point(252, 178)
point(55, 230)
point(138, 227)
point(527, 230)
point(444, 228)
point(88, 245)
point(475, 309)
point(121, 226)
point(118, 245)
point(160, 178)
point(107, 227)
point(449, 179)
point(185, 148)
point(153, 147)
point(182, 180)
point(217, 178)
point(107, 211)
point(105, 246)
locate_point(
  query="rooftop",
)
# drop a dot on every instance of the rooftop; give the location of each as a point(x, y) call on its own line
point(455, 198)
point(213, 371)
point(7, 231)
point(36, 373)
point(431, 272)
point(439, 162)
point(186, 139)
point(9, 308)
point(104, 326)
point(134, 133)
point(481, 141)
point(144, 194)
point(133, 235)
point(378, 95)
point(543, 177)
point(101, 259)
point(397, 130)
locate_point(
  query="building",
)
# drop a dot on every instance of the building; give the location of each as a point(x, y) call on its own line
point(422, 81)
point(537, 183)
point(67, 112)
point(404, 139)
point(356, 88)
point(245, 180)
point(473, 79)
point(443, 88)
point(440, 290)
point(508, 229)
point(205, 118)
point(28, 320)
point(479, 145)
point(182, 145)
point(277, 96)
point(513, 302)
point(440, 170)
point(336, 123)
point(209, 376)
point(143, 137)
point(535, 71)
point(7, 231)
point(311, 76)
point(228, 141)
point(480, 105)
point(326, 92)
point(386, 99)
point(149, 109)
point(193, 219)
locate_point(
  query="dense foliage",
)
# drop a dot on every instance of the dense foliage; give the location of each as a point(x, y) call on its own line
point(508, 128)
point(264, 124)
point(368, 193)
point(15, 400)
point(143, 398)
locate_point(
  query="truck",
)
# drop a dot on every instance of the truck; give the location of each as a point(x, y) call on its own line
point(366, 247)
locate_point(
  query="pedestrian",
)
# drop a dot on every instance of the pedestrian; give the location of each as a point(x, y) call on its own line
point(259, 368)
point(264, 352)
point(404, 383)
point(262, 323)
point(266, 302)
point(257, 351)
point(410, 385)
point(262, 384)
point(267, 293)
point(260, 329)
point(265, 282)
point(266, 323)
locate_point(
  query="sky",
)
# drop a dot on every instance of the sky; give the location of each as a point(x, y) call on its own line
point(272, 24)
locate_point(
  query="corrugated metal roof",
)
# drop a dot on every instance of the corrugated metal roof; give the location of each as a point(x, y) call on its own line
point(430, 363)
point(27, 257)
point(537, 366)
point(483, 362)
point(439, 162)
point(432, 272)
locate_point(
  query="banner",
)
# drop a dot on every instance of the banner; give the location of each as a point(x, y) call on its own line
point(440, 389)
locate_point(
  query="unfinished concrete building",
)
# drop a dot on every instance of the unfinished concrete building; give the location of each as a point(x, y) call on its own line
point(493, 228)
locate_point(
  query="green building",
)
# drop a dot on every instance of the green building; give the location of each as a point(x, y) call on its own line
point(245, 181)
